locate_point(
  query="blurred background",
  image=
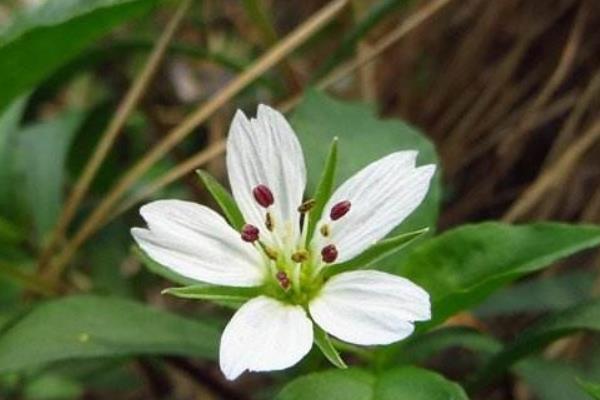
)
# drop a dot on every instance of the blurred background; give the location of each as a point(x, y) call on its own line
point(507, 91)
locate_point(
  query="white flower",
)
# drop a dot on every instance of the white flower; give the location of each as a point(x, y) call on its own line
point(268, 177)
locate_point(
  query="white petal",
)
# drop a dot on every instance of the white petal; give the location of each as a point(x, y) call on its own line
point(382, 195)
point(264, 335)
point(196, 242)
point(266, 151)
point(369, 307)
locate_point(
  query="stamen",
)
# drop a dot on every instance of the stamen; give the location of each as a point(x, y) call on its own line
point(263, 195)
point(306, 206)
point(272, 254)
point(250, 233)
point(329, 253)
point(300, 256)
point(339, 210)
point(325, 230)
point(283, 279)
point(269, 222)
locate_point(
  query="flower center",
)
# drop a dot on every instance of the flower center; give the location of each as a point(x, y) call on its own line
point(295, 268)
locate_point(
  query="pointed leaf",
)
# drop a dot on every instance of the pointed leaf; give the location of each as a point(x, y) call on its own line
point(223, 198)
point(92, 327)
point(329, 351)
point(463, 266)
point(214, 293)
point(377, 252)
point(45, 37)
point(324, 189)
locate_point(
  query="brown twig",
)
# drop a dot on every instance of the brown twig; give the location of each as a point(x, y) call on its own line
point(554, 174)
point(507, 150)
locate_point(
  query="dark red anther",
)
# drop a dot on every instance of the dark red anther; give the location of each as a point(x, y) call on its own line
point(263, 195)
point(250, 233)
point(329, 253)
point(339, 210)
point(283, 279)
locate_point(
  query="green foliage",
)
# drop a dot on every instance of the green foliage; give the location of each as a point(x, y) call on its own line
point(407, 383)
point(83, 327)
point(463, 266)
point(541, 294)
point(593, 389)
point(324, 344)
point(581, 317)
point(223, 198)
point(42, 150)
point(10, 121)
point(40, 40)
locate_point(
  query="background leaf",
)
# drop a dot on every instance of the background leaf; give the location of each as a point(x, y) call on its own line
point(585, 316)
point(406, 383)
point(42, 149)
point(45, 37)
point(463, 266)
point(593, 389)
point(88, 326)
point(10, 120)
point(541, 294)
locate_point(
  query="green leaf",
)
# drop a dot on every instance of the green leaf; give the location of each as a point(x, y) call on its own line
point(553, 379)
point(53, 387)
point(406, 383)
point(582, 317)
point(82, 327)
point(9, 127)
point(593, 389)
point(160, 269)
point(376, 252)
point(42, 150)
point(418, 349)
point(363, 139)
point(541, 294)
point(214, 293)
point(45, 37)
point(324, 189)
point(223, 198)
point(463, 266)
point(329, 351)
point(10, 233)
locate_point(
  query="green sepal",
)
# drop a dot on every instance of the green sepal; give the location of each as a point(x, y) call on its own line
point(324, 189)
point(223, 198)
point(376, 252)
point(204, 291)
point(326, 346)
